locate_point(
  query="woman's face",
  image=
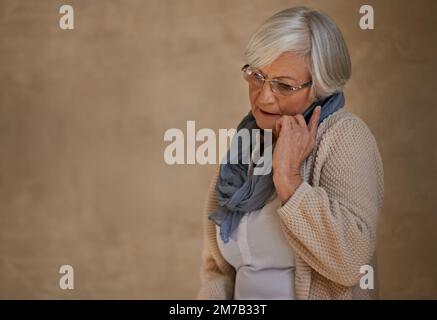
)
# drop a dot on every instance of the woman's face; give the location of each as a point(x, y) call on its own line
point(267, 106)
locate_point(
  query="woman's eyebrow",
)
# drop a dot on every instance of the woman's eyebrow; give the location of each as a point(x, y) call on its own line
point(286, 77)
point(280, 77)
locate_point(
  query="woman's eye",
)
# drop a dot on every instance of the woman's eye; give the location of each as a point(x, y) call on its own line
point(284, 87)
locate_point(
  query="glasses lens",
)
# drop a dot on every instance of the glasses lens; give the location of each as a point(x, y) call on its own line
point(282, 88)
point(254, 77)
point(257, 79)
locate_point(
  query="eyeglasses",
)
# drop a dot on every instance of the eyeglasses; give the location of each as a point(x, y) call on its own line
point(257, 79)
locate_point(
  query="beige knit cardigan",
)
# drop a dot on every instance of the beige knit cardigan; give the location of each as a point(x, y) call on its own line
point(330, 221)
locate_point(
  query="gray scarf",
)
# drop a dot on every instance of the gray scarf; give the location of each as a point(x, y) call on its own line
point(237, 190)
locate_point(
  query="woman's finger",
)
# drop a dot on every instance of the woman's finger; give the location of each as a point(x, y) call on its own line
point(301, 120)
point(293, 122)
point(314, 120)
point(278, 125)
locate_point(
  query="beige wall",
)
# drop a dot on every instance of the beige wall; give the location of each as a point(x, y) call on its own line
point(83, 115)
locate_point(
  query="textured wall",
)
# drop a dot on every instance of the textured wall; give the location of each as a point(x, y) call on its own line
point(82, 119)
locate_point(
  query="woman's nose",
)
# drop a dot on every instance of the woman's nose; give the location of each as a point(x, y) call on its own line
point(266, 95)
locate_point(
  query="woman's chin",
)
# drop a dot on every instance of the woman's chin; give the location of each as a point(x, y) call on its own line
point(264, 122)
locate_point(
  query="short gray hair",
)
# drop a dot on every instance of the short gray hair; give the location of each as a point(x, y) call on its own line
point(306, 32)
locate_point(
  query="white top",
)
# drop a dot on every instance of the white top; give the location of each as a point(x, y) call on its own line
point(261, 255)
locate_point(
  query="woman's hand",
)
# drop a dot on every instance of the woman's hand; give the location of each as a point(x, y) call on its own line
point(294, 142)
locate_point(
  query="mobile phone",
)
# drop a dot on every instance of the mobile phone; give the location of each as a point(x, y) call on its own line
point(309, 111)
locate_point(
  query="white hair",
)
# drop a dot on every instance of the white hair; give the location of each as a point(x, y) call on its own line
point(309, 33)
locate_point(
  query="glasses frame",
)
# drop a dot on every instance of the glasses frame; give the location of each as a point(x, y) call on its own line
point(273, 88)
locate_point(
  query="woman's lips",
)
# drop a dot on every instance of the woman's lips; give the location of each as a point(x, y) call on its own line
point(268, 113)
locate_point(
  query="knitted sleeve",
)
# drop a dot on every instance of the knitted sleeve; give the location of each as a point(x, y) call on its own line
point(332, 226)
point(216, 275)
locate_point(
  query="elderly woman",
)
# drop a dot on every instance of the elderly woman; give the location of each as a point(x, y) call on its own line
point(305, 230)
